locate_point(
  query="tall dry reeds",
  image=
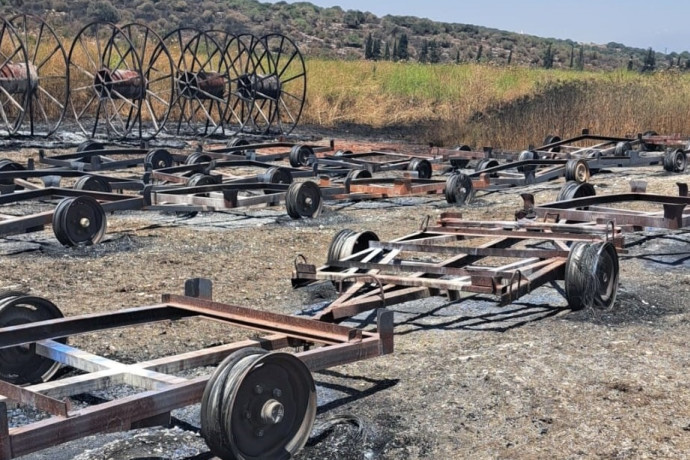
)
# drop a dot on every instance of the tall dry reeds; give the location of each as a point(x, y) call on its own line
point(485, 105)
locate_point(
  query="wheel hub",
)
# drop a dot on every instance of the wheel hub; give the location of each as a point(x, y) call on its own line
point(272, 412)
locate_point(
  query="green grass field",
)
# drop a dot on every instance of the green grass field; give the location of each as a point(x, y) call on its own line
point(508, 107)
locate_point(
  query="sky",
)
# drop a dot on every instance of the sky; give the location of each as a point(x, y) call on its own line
point(663, 25)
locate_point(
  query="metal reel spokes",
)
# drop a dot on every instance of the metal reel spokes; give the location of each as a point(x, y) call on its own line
point(21, 365)
point(591, 276)
point(107, 85)
point(202, 87)
point(79, 221)
point(158, 73)
point(258, 405)
point(278, 84)
point(17, 79)
point(47, 61)
point(238, 55)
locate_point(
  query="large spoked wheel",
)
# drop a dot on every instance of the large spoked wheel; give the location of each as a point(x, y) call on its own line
point(48, 63)
point(202, 85)
point(258, 405)
point(240, 64)
point(577, 170)
point(675, 160)
point(17, 79)
point(158, 70)
point(79, 221)
point(459, 189)
point(591, 276)
point(278, 85)
point(303, 199)
point(107, 85)
point(21, 365)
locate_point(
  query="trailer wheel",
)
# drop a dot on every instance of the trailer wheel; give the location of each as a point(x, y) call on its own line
point(648, 146)
point(421, 166)
point(237, 142)
point(572, 189)
point(336, 244)
point(93, 183)
point(487, 163)
point(458, 189)
point(299, 155)
point(21, 365)
point(90, 146)
point(577, 170)
point(527, 155)
point(201, 179)
point(675, 160)
point(550, 139)
point(591, 276)
point(359, 174)
point(276, 175)
point(9, 165)
point(303, 199)
point(196, 158)
point(79, 221)
point(159, 158)
point(258, 405)
point(622, 149)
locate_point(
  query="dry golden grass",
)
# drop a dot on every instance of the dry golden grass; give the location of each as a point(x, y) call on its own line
point(484, 105)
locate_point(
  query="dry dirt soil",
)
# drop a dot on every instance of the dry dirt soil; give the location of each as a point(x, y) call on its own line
point(466, 380)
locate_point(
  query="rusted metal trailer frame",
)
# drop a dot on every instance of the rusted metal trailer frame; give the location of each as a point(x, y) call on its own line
point(375, 162)
point(52, 177)
point(78, 218)
point(675, 211)
point(99, 159)
point(302, 199)
point(323, 345)
point(181, 174)
point(379, 274)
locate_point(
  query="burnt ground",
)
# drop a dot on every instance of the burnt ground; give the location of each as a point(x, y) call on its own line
point(467, 380)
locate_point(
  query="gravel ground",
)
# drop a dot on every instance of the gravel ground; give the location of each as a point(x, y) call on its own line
point(467, 380)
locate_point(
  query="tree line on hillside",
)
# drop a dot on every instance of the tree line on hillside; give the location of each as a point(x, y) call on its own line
point(351, 34)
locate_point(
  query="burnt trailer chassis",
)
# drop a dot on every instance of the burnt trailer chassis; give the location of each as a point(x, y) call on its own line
point(94, 156)
point(505, 260)
point(575, 158)
point(269, 423)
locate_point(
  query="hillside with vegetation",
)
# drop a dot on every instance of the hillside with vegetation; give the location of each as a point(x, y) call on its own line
point(349, 34)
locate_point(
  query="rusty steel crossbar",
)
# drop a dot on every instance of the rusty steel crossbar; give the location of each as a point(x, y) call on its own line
point(378, 188)
point(324, 345)
point(673, 215)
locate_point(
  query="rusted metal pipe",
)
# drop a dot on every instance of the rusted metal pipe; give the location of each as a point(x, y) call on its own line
point(13, 78)
point(201, 85)
point(120, 84)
